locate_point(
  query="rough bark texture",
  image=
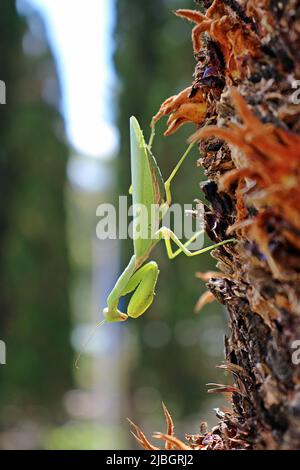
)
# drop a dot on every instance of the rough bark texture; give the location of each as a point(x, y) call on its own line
point(261, 289)
point(248, 62)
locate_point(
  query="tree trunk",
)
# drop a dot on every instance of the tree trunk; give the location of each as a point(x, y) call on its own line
point(246, 84)
point(253, 190)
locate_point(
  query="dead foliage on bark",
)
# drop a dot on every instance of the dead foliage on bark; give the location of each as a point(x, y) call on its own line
point(247, 65)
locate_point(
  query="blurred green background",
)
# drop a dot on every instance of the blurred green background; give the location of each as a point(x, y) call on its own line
point(55, 273)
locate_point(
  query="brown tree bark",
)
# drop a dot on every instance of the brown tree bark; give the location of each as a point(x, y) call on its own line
point(260, 208)
point(245, 84)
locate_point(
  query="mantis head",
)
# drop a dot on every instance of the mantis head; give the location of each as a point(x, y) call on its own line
point(114, 315)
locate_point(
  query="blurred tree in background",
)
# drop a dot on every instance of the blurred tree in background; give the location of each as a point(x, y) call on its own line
point(176, 355)
point(176, 350)
point(35, 318)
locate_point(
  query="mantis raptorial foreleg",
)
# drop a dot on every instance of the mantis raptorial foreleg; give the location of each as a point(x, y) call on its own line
point(167, 235)
point(142, 282)
point(111, 312)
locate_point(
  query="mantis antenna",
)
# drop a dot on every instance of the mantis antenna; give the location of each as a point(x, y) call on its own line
point(152, 135)
point(87, 341)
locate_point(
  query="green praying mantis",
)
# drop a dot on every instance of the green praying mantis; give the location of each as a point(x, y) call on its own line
point(148, 188)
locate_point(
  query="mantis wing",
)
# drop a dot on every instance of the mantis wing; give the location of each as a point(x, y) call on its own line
point(148, 189)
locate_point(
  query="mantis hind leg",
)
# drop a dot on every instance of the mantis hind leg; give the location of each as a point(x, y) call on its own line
point(143, 284)
point(174, 172)
point(168, 235)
